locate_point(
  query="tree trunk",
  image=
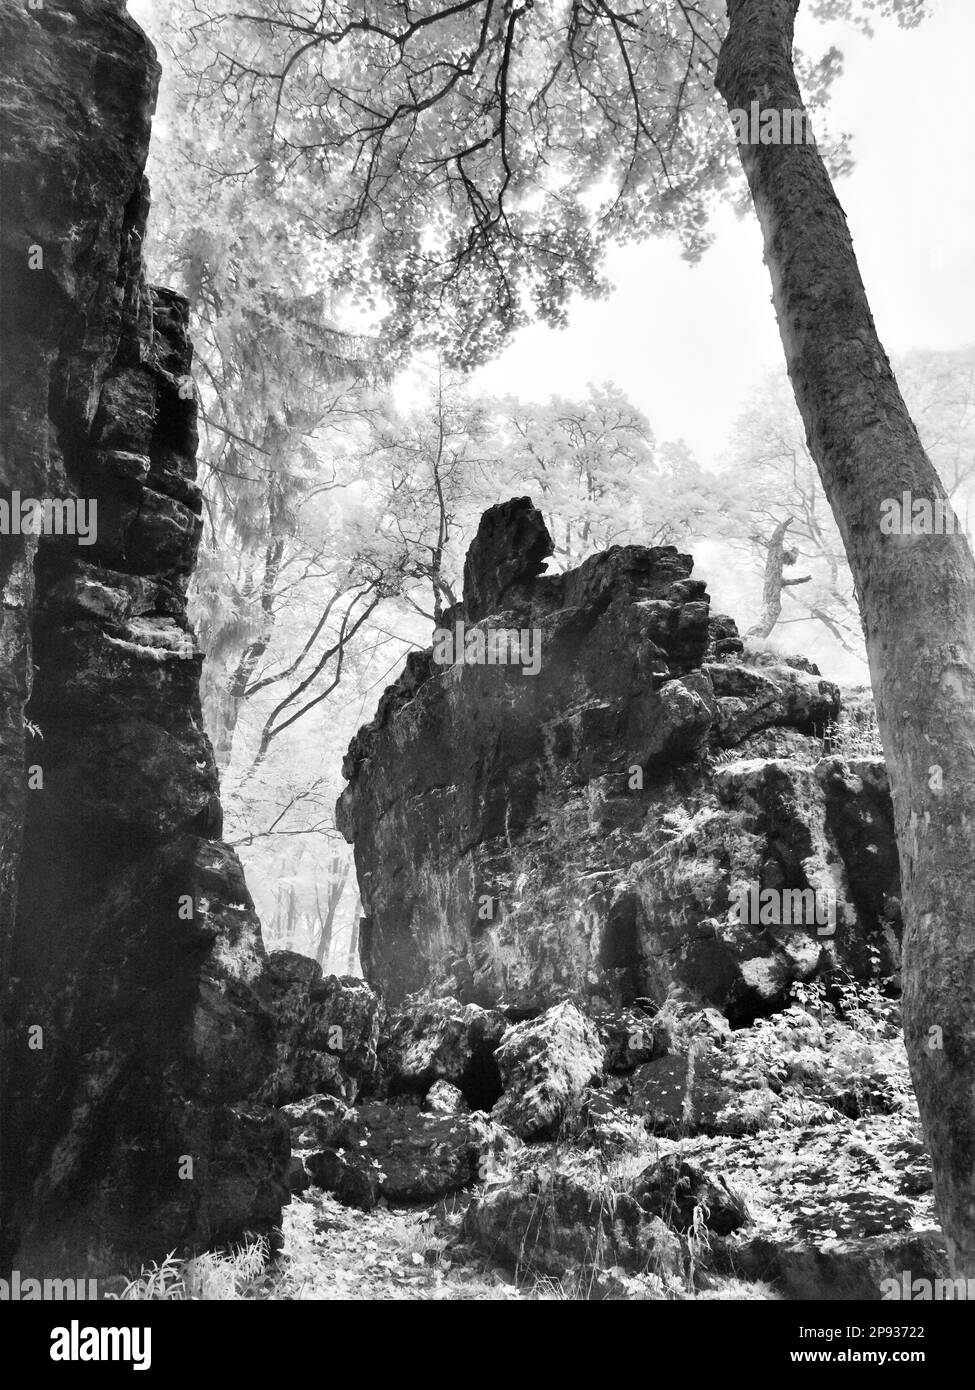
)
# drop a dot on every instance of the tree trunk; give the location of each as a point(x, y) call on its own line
point(227, 697)
point(776, 560)
point(337, 881)
point(916, 594)
point(355, 966)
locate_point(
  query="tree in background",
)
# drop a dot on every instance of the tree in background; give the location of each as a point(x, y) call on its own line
point(789, 530)
point(595, 471)
point(786, 521)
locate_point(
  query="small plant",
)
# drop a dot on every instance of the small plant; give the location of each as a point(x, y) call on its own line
point(157, 1282)
point(216, 1275)
point(698, 1239)
point(855, 734)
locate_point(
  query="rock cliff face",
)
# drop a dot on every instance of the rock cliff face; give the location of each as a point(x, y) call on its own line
point(586, 832)
point(133, 965)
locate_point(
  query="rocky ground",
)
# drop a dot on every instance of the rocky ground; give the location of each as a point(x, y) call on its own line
point(636, 1155)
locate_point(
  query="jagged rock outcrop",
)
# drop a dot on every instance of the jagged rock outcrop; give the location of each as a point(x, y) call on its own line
point(578, 820)
point(135, 1035)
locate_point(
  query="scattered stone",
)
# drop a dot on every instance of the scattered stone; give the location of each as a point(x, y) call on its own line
point(444, 1099)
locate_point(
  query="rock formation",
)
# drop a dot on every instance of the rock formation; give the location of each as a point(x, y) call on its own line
point(586, 832)
point(132, 961)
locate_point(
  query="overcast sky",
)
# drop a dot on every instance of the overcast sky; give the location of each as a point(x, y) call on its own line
point(687, 343)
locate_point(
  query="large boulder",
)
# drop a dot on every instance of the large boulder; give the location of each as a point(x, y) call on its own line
point(684, 1194)
point(864, 1269)
point(326, 1031)
point(445, 1041)
point(401, 1154)
point(580, 819)
point(546, 1065)
point(685, 1093)
point(555, 1222)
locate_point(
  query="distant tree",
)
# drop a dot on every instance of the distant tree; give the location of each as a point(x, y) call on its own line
point(596, 472)
point(789, 528)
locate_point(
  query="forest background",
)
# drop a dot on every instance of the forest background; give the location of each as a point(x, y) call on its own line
point(345, 466)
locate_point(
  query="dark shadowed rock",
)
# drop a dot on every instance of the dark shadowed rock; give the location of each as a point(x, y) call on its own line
point(397, 1152)
point(631, 1037)
point(681, 1192)
point(506, 556)
point(556, 1223)
point(685, 1094)
point(127, 934)
point(868, 1268)
point(316, 1121)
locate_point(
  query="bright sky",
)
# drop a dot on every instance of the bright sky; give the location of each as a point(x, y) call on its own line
point(687, 343)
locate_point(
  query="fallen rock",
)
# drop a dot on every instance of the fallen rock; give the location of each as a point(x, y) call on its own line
point(444, 1099)
point(317, 1120)
point(681, 1193)
point(546, 1065)
point(604, 1124)
point(631, 1037)
point(554, 1223)
point(686, 1094)
point(399, 1153)
point(866, 1269)
point(446, 1041)
point(325, 1030)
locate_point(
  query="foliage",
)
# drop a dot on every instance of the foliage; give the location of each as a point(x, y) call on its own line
point(462, 168)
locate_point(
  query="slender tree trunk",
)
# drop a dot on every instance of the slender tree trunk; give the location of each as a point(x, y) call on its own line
point(774, 582)
point(916, 594)
point(337, 880)
point(354, 965)
point(237, 688)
